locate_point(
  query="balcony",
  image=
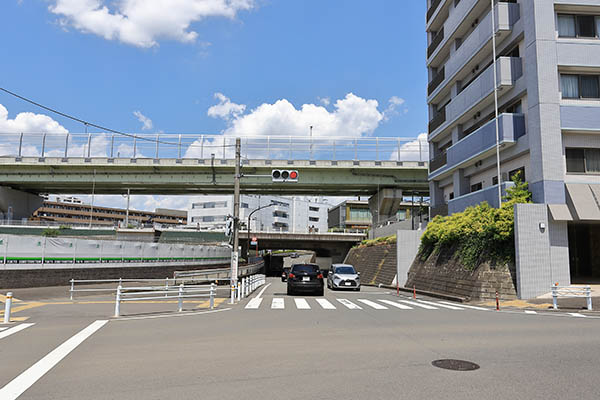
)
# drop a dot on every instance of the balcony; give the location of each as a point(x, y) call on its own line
point(438, 162)
point(580, 118)
point(455, 18)
point(435, 42)
point(435, 82)
point(507, 14)
point(509, 69)
point(438, 120)
point(431, 10)
point(489, 194)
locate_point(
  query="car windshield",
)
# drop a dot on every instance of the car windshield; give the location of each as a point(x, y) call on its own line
point(305, 268)
point(345, 270)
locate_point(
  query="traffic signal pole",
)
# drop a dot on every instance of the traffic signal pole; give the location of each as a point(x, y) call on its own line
point(236, 219)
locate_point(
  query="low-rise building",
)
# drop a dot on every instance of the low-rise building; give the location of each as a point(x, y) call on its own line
point(356, 215)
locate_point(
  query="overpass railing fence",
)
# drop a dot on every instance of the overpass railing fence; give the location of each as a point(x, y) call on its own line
point(197, 146)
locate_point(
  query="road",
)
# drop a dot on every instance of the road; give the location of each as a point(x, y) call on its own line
point(345, 345)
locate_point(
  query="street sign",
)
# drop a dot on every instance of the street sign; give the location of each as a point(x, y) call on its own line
point(254, 241)
point(234, 265)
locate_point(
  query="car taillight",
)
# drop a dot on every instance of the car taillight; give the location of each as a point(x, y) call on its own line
point(320, 276)
point(291, 276)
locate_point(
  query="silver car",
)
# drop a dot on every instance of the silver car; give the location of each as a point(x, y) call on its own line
point(343, 276)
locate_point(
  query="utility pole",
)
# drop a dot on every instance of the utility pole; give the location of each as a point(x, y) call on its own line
point(236, 218)
point(127, 212)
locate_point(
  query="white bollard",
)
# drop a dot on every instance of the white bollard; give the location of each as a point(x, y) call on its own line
point(588, 292)
point(243, 288)
point(72, 288)
point(167, 287)
point(118, 302)
point(232, 293)
point(7, 307)
point(180, 304)
point(239, 291)
point(212, 296)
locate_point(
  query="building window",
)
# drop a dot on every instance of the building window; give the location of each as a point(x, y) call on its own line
point(583, 160)
point(313, 219)
point(477, 186)
point(514, 172)
point(583, 26)
point(280, 214)
point(359, 214)
point(280, 203)
point(316, 209)
point(244, 205)
point(579, 86)
point(208, 218)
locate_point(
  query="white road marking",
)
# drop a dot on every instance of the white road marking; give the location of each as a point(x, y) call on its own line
point(574, 314)
point(302, 304)
point(263, 290)
point(442, 305)
point(254, 303)
point(349, 304)
point(373, 304)
point(21, 383)
point(3, 328)
point(530, 312)
point(277, 303)
point(325, 304)
point(14, 329)
point(414, 303)
point(465, 306)
point(395, 304)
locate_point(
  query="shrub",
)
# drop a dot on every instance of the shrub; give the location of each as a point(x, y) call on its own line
point(380, 240)
point(480, 233)
point(50, 232)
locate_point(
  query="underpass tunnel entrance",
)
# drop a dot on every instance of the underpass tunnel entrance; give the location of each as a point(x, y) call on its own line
point(584, 253)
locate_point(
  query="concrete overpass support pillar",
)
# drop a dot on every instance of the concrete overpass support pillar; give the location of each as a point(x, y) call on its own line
point(15, 204)
point(385, 204)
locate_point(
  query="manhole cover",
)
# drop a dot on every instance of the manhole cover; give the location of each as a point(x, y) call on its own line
point(455, 365)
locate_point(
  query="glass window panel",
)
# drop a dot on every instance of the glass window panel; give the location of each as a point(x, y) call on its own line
point(566, 26)
point(569, 86)
point(589, 86)
point(586, 25)
point(592, 160)
point(575, 160)
point(597, 26)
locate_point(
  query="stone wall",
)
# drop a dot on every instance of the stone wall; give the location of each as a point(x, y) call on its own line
point(376, 264)
point(443, 273)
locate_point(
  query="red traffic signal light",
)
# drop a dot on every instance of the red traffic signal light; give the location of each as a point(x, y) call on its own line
point(284, 175)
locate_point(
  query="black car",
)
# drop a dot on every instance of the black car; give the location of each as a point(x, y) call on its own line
point(305, 278)
point(284, 274)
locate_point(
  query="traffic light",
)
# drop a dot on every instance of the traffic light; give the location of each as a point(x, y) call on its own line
point(229, 226)
point(284, 175)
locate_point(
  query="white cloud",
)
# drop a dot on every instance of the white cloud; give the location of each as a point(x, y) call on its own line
point(393, 104)
point(143, 22)
point(146, 122)
point(324, 100)
point(28, 122)
point(415, 150)
point(225, 109)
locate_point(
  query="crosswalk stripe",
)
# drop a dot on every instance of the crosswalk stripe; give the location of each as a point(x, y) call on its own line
point(574, 314)
point(373, 304)
point(349, 304)
point(3, 328)
point(254, 303)
point(302, 304)
point(530, 312)
point(277, 303)
point(414, 303)
point(465, 306)
point(14, 329)
point(325, 304)
point(442, 305)
point(395, 304)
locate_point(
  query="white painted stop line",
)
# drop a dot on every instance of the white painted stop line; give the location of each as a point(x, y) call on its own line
point(373, 304)
point(395, 304)
point(442, 305)
point(325, 304)
point(349, 304)
point(21, 383)
point(574, 314)
point(302, 304)
point(13, 330)
point(254, 303)
point(277, 303)
point(414, 303)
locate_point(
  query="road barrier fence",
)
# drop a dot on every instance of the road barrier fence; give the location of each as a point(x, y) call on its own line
point(572, 292)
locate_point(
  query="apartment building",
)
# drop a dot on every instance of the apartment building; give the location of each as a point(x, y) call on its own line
point(547, 79)
point(356, 215)
point(287, 214)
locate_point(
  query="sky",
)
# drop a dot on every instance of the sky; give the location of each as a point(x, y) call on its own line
point(236, 67)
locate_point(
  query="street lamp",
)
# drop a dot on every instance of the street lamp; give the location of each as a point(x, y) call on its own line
point(249, 216)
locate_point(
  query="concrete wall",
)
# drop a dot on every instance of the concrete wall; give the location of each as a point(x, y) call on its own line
point(542, 251)
point(407, 246)
point(15, 204)
point(376, 264)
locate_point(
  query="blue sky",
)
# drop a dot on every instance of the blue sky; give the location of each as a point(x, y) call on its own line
point(173, 64)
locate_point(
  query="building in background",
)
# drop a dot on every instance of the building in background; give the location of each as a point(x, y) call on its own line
point(287, 214)
point(548, 73)
point(355, 215)
point(71, 210)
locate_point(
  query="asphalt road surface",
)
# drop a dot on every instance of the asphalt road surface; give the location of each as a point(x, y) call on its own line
point(345, 345)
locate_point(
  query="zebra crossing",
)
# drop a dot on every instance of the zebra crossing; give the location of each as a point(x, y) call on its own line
point(300, 303)
point(6, 331)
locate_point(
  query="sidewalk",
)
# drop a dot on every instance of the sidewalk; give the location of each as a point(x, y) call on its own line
point(571, 303)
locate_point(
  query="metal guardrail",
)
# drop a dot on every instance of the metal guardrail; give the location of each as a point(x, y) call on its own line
point(196, 146)
point(207, 275)
point(572, 292)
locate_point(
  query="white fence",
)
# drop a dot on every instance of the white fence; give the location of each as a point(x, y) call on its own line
point(36, 252)
point(572, 292)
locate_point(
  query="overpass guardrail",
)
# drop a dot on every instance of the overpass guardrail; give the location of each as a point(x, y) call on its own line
point(198, 146)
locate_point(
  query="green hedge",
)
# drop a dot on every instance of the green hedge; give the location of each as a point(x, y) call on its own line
point(480, 233)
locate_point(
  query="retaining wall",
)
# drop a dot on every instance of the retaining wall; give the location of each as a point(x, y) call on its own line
point(376, 264)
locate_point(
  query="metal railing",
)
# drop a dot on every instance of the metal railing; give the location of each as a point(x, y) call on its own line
point(195, 146)
point(168, 282)
point(572, 292)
